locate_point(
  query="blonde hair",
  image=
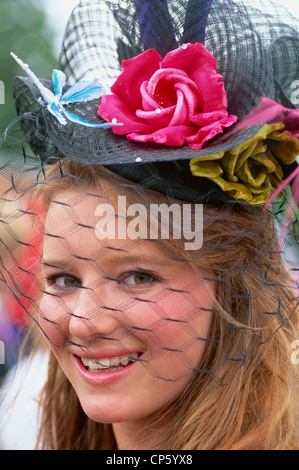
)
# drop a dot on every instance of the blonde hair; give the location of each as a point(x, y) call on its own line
point(249, 397)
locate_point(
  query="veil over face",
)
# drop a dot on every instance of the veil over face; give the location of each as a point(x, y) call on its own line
point(112, 301)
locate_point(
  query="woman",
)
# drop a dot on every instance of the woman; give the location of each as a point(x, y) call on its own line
point(173, 332)
point(197, 326)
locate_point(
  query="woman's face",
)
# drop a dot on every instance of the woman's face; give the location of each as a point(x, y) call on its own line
point(126, 322)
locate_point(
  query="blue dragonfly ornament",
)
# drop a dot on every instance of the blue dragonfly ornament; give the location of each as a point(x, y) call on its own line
point(80, 92)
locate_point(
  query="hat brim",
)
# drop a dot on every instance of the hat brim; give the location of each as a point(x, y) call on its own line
point(161, 168)
point(141, 163)
point(101, 147)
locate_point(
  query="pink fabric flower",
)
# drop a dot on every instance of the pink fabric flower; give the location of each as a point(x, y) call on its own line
point(170, 101)
point(268, 111)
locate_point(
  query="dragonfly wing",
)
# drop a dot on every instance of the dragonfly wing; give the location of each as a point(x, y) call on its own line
point(52, 107)
point(72, 117)
point(83, 91)
point(59, 80)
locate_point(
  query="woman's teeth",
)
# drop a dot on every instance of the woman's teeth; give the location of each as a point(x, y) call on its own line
point(112, 363)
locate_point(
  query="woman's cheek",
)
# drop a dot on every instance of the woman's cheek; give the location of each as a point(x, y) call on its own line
point(174, 319)
point(53, 320)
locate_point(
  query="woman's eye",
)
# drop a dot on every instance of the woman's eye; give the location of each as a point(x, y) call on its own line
point(63, 281)
point(139, 279)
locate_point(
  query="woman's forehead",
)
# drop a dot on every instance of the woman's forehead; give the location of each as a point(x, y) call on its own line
point(76, 212)
point(66, 202)
point(72, 227)
point(116, 217)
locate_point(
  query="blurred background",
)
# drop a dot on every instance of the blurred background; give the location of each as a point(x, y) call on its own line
point(33, 29)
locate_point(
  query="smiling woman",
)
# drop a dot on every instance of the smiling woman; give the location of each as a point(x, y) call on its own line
point(124, 307)
point(136, 325)
point(170, 329)
point(128, 328)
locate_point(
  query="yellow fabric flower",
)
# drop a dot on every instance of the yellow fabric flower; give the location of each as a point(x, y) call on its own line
point(251, 171)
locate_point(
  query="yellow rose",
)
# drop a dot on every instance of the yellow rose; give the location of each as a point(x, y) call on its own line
point(251, 171)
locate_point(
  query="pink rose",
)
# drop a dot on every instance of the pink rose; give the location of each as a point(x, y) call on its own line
point(170, 101)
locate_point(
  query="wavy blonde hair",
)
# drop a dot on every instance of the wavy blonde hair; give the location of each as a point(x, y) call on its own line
point(248, 399)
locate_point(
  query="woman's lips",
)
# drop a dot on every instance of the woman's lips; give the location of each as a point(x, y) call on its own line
point(104, 363)
point(102, 369)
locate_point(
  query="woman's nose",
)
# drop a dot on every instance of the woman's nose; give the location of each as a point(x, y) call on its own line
point(92, 316)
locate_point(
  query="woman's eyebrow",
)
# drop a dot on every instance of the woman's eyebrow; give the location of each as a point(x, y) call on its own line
point(52, 263)
point(138, 261)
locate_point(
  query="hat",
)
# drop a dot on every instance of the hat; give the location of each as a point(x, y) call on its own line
point(198, 96)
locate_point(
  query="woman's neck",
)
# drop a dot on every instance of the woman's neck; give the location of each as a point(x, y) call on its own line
point(136, 436)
